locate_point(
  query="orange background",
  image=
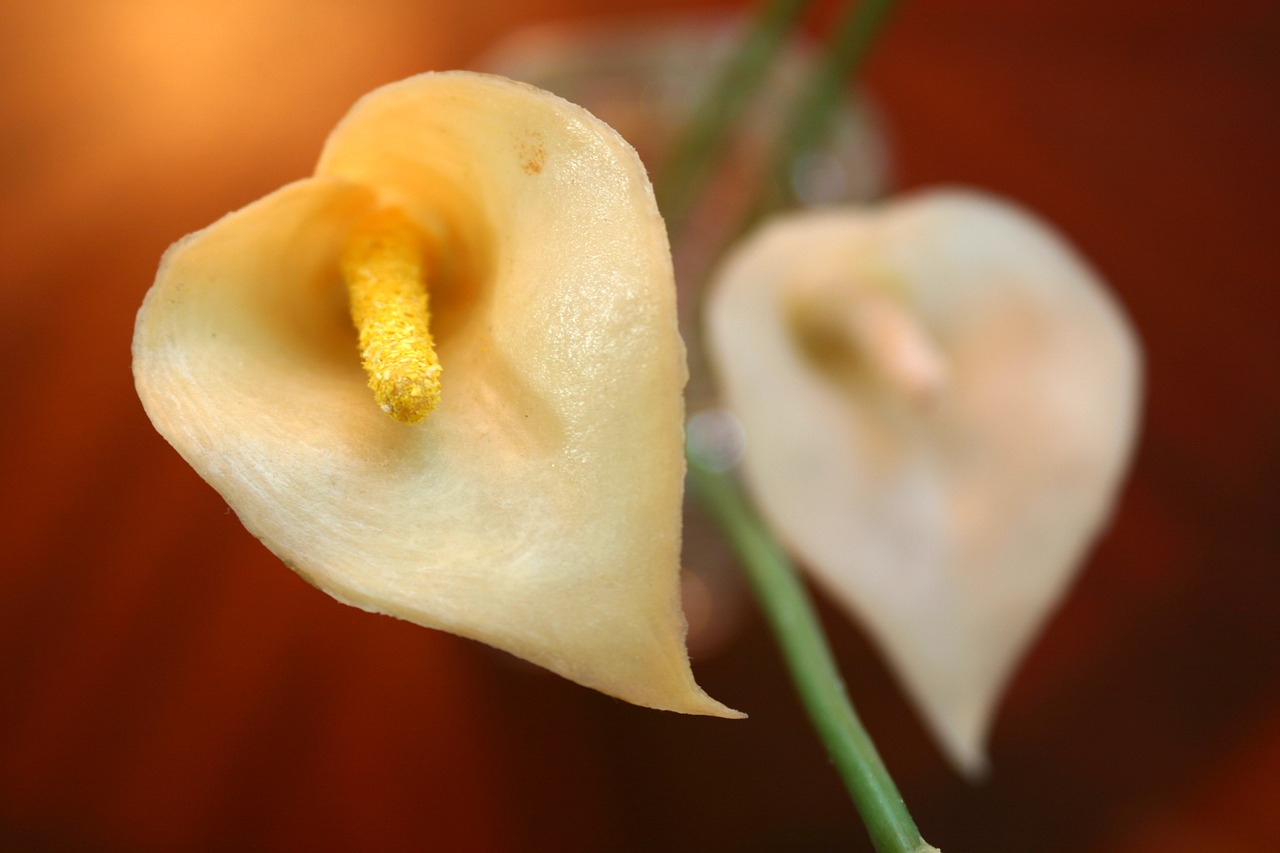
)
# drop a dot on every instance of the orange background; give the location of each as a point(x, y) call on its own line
point(165, 684)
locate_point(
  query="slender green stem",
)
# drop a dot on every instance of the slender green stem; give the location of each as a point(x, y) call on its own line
point(790, 612)
point(780, 592)
point(695, 152)
point(815, 109)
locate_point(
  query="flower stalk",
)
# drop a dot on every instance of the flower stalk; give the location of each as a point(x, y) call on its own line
point(781, 594)
point(813, 669)
point(815, 108)
point(694, 154)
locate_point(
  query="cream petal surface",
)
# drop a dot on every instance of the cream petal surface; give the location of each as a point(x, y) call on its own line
point(942, 464)
point(537, 509)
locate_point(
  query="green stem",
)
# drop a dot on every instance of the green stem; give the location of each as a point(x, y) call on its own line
point(695, 152)
point(816, 107)
point(780, 592)
point(790, 612)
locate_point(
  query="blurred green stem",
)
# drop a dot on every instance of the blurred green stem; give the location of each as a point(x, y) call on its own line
point(790, 612)
point(781, 594)
point(818, 103)
point(695, 153)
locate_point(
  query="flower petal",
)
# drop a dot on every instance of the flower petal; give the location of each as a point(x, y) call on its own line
point(537, 509)
point(942, 438)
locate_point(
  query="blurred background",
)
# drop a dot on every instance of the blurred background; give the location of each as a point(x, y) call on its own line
point(166, 684)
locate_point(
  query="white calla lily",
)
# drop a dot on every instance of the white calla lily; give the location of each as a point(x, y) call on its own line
point(537, 508)
point(939, 400)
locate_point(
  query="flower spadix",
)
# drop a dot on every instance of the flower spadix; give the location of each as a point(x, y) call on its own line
point(507, 462)
point(939, 399)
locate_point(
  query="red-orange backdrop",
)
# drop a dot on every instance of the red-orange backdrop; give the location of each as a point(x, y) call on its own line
point(166, 685)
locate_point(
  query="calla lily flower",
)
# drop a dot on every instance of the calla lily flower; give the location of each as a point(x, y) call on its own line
point(508, 464)
point(939, 399)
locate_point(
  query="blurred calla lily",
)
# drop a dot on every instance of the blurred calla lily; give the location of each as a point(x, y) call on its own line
point(531, 496)
point(939, 399)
